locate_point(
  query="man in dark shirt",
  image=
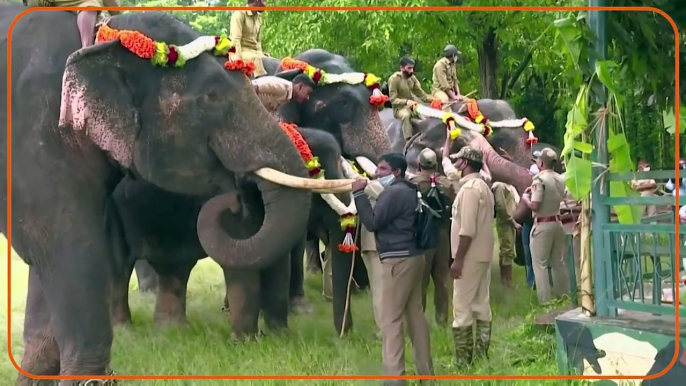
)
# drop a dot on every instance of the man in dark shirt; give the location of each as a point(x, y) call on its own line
point(392, 220)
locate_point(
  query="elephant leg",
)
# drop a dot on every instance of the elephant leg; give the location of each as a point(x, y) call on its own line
point(120, 310)
point(360, 274)
point(243, 293)
point(41, 354)
point(170, 307)
point(342, 264)
point(274, 299)
point(298, 301)
point(314, 262)
point(148, 281)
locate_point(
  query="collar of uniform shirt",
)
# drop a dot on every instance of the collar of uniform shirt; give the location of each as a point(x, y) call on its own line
point(470, 176)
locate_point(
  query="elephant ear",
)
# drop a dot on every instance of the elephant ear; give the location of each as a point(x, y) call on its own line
point(97, 101)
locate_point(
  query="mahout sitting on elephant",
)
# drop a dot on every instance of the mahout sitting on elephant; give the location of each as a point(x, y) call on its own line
point(106, 111)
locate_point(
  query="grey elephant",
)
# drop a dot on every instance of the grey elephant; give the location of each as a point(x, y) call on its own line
point(343, 114)
point(103, 113)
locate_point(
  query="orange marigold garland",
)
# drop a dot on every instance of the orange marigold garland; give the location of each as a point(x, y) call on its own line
point(348, 220)
point(319, 76)
point(436, 104)
point(349, 225)
point(312, 164)
point(248, 68)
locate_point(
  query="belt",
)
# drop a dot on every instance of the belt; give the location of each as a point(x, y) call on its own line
point(547, 219)
point(568, 218)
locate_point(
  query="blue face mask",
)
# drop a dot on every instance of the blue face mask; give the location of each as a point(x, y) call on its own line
point(386, 181)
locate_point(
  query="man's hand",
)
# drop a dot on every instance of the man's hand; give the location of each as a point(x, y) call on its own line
point(527, 190)
point(461, 98)
point(456, 268)
point(359, 184)
point(410, 104)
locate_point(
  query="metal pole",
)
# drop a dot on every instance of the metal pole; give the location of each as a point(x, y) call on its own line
point(600, 212)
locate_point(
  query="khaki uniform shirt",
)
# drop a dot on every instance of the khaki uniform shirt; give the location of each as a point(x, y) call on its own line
point(643, 184)
point(367, 242)
point(246, 31)
point(473, 217)
point(402, 89)
point(505, 203)
point(273, 91)
point(444, 76)
point(549, 189)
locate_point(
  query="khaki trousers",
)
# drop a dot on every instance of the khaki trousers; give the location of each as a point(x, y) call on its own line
point(401, 288)
point(506, 237)
point(548, 245)
point(374, 270)
point(405, 116)
point(256, 58)
point(471, 294)
point(438, 268)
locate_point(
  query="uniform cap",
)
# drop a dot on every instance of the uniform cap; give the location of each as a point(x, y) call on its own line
point(471, 154)
point(546, 155)
point(450, 50)
point(427, 158)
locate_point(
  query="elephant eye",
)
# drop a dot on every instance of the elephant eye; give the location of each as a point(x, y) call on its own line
point(212, 96)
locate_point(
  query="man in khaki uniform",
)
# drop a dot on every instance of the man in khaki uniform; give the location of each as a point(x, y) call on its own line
point(445, 85)
point(404, 92)
point(85, 20)
point(370, 256)
point(274, 91)
point(472, 242)
point(246, 35)
point(548, 241)
point(506, 198)
point(437, 259)
point(570, 209)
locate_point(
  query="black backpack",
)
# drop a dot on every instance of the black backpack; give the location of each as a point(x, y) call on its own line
point(429, 218)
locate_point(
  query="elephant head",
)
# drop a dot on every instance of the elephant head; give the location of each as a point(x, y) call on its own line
point(343, 110)
point(197, 130)
point(513, 170)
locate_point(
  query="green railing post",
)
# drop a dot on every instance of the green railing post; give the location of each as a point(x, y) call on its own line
point(600, 212)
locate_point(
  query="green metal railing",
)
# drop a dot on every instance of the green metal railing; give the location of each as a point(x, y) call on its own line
point(634, 264)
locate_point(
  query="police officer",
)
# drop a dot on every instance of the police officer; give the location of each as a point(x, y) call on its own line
point(548, 239)
point(445, 85)
point(472, 242)
point(404, 92)
point(505, 205)
point(437, 259)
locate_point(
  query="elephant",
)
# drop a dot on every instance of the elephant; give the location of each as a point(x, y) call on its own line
point(355, 128)
point(105, 113)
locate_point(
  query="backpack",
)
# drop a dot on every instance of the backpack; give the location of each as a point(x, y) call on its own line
point(428, 220)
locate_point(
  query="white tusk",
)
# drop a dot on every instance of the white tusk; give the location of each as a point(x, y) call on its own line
point(284, 179)
point(348, 171)
point(368, 166)
point(342, 189)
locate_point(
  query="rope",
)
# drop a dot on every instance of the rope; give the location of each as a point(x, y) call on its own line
point(350, 280)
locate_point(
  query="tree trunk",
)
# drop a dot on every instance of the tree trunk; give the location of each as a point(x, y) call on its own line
point(488, 66)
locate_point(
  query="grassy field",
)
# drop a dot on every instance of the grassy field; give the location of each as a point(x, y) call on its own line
point(311, 347)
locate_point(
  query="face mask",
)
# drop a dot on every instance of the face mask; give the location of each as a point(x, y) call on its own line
point(534, 169)
point(386, 181)
point(646, 169)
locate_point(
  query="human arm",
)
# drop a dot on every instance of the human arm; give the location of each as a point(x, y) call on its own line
point(441, 76)
point(393, 96)
point(448, 168)
point(419, 92)
point(533, 196)
point(467, 231)
point(236, 30)
point(385, 210)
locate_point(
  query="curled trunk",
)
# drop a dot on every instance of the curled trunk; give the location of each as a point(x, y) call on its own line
point(286, 212)
point(500, 168)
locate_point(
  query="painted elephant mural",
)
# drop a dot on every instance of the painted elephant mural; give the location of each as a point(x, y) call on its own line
point(104, 113)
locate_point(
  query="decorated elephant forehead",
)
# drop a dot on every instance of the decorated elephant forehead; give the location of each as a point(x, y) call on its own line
point(320, 77)
point(162, 54)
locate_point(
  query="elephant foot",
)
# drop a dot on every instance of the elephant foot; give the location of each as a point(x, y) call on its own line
point(165, 320)
point(300, 305)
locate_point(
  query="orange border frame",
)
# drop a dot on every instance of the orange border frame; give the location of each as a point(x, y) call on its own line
point(316, 8)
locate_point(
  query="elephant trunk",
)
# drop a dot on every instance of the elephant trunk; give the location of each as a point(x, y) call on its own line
point(366, 137)
point(500, 168)
point(286, 211)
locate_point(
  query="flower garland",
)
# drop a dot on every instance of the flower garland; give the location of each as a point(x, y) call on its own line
point(319, 76)
point(348, 215)
point(477, 117)
point(164, 55)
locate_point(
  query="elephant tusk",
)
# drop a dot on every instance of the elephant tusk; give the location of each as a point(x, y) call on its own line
point(342, 189)
point(284, 179)
point(367, 165)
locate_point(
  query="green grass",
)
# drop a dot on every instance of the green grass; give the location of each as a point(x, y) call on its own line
point(310, 347)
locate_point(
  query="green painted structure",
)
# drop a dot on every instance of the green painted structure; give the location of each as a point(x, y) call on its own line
point(633, 332)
